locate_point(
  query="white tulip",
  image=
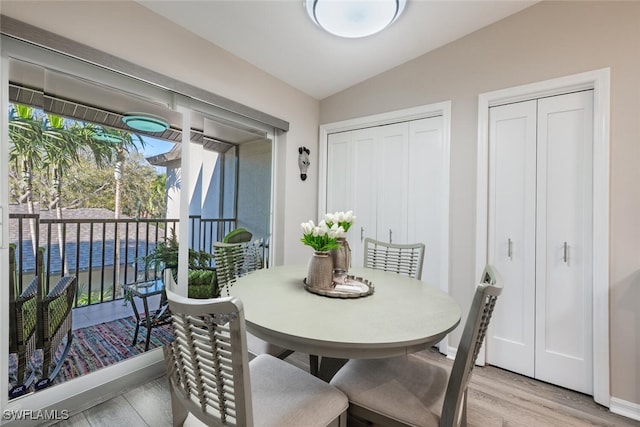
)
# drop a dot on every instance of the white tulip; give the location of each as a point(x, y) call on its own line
point(336, 231)
point(348, 216)
point(329, 218)
point(307, 227)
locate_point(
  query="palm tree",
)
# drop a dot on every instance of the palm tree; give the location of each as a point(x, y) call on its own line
point(25, 132)
point(122, 144)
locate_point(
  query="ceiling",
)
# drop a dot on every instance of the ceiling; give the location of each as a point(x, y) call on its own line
point(279, 38)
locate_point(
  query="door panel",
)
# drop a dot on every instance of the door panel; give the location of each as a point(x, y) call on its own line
point(393, 151)
point(339, 172)
point(426, 213)
point(365, 199)
point(512, 187)
point(563, 335)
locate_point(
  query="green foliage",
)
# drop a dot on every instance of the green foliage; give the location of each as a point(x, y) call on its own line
point(58, 162)
point(165, 255)
point(202, 284)
point(83, 295)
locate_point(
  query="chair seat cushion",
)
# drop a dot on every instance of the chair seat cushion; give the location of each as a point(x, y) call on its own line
point(257, 346)
point(406, 388)
point(295, 399)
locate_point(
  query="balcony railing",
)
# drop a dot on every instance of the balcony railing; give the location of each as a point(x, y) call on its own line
point(102, 253)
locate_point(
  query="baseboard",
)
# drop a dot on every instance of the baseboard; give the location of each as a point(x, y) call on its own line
point(624, 408)
point(451, 352)
point(89, 390)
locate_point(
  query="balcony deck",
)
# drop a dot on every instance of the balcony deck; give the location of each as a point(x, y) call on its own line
point(108, 311)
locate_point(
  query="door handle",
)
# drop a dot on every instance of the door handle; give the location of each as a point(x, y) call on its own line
point(510, 249)
point(361, 234)
point(565, 253)
point(390, 236)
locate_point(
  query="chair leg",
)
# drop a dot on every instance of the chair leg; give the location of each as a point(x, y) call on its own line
point(463, 416)
point(179, 413)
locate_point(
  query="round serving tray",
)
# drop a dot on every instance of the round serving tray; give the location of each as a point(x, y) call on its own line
point(352, 287)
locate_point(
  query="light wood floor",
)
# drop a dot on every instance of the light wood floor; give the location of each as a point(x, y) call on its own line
point(496, 398)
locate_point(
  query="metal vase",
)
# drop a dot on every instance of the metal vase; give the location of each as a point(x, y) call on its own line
point(320, 271)
point(342, 256)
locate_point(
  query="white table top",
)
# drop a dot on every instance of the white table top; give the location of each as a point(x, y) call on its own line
point(402, 316)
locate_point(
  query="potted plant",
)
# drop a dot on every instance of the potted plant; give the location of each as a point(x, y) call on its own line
point(201, 277)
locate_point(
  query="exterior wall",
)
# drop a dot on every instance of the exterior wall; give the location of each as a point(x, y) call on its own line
point(254, 193)
point(548, 40)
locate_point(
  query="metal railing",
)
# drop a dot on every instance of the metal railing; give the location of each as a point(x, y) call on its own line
point(102, 253)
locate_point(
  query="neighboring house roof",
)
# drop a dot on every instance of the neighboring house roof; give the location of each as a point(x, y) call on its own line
point(85, 246)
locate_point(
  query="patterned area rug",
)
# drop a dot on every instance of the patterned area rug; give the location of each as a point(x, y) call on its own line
point(101, 345)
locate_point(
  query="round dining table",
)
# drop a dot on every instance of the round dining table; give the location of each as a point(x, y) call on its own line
point(402, 315)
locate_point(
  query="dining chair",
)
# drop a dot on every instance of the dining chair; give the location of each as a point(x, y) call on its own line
point(212, 381)
point(22, 327)
point(234, 260)
point(409, 390)
point(404, 259)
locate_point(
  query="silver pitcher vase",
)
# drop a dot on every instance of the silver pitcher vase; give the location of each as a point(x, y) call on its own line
point(320, 271)
point(342, 256)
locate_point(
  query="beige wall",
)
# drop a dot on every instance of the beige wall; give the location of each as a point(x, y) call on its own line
point(129, 31)
point(548, 40)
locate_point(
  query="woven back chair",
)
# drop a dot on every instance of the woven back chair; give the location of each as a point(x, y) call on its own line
point(234, 260)
point(23, 316)
point(411, 391)
point(402, 259)
point(212, 381)
point(54, 321)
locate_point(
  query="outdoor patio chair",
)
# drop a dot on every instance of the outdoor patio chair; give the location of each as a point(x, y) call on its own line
point(54, 321)
point(409, 390)
point(23, 317)
point(404, 259)
point(212, 382)
point(234, 260)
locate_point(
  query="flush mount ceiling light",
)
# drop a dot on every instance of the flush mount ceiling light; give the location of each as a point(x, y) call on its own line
point(354, 18)
point(145, 122)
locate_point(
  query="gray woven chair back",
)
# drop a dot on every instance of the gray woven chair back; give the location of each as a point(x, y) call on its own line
point(207, 362)
point(234, 260)
point(55, 321)
point(402, 259)
point(475, 329)
point(22, 326)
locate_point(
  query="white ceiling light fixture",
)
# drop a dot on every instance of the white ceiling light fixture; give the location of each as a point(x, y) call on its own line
point(354, 18)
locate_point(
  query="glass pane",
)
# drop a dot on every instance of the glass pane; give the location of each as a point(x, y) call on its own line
point(98, 189)
point(27, 192)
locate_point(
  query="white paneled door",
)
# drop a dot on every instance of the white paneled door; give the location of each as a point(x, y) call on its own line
point(540, 238)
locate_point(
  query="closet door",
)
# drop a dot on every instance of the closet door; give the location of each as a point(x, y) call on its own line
point(511, 243)
point(427, 212)
point(540, 238)
point(564, 346)
point(339, 181)
point(364, 200)
point(392, 143)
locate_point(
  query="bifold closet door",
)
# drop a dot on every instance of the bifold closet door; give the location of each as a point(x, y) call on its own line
point(512, 238)
point(564, 345)
point(540, 238)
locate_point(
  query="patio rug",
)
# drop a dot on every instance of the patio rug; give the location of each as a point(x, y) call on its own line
point(101, 345)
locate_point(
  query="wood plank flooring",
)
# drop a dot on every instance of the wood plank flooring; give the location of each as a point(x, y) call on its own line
point(496, 398)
